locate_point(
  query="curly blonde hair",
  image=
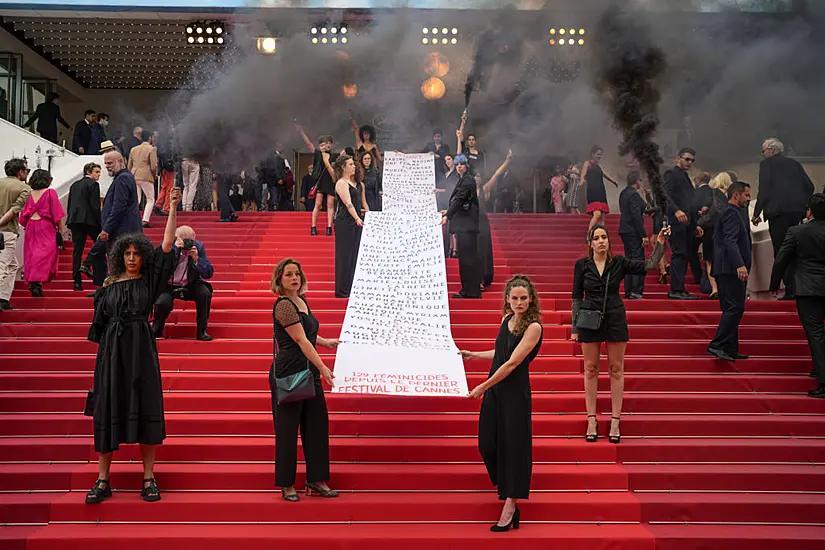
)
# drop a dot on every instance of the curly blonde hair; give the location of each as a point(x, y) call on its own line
point(533, 313)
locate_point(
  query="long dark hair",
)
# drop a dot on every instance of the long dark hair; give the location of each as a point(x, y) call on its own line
point(117, 265)
point(533, 313)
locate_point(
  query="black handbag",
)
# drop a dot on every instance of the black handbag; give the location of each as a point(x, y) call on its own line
point(295, 387)
point(89, 409)
point(591, 319)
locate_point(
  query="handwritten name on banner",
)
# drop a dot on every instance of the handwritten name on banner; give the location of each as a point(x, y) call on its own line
point(396, 335)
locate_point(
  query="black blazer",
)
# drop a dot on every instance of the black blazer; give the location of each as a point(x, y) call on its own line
point(784, 187)
point(804, 247)
point(84, 204)
point(679, 192)
point(82, 136)
point(731, 242)
point(632, 206)
point(463, 210)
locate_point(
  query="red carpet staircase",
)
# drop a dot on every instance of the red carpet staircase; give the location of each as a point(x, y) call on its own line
point(712, 457)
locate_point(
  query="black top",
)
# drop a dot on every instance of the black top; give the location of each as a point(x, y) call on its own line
point(84, 203)
point(464, 208)
point(594, 180)
point(589, 286)
point(784, 187)
point(289, 359)
point(47, 116)
point(804, 247)
point(341, 212)
point(679, 192)
point(731, 242)
point(632, 206)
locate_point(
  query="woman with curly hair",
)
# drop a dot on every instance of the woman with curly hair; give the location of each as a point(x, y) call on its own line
point(45, 222)
point(348, 223)
point(127, 395)
point(505, 438)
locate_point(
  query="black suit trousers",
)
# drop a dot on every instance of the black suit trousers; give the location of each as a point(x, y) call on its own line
point(469, 264)
point(681, 245)
point(80, 232)
point(732, 295)
point(778, 226)
point(633, 250)
point(811, 311)
point(197, 292)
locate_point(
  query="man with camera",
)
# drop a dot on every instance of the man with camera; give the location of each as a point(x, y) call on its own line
point(187, 283)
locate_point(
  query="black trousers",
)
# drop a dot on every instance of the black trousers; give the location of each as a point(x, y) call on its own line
point(312, 418)
point(778, 226)
point(732, 295)
point(633, 250)
point(811, 311)
point(469, 264)
point(197, 292)
point(97, 259)
point(80, 232)
point(681, 245)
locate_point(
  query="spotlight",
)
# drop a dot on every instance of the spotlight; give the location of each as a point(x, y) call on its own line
point(314, 30)
point(425, 30)
point(344, 40)
point(455, 30)
point(334, 30)
point(425, 40)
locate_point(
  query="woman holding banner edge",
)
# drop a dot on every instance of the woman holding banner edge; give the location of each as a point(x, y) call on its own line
point(505, 438)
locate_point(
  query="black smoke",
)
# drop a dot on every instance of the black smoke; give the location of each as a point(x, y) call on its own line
point(628, 66)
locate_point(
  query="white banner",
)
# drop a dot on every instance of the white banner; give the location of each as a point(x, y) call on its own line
point(396, 335)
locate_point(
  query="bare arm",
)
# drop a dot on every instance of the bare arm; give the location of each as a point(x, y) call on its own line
point(528, 342)
point(308, 143)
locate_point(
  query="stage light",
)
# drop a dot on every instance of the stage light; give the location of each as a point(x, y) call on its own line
point(433, 88)
point(314, 30)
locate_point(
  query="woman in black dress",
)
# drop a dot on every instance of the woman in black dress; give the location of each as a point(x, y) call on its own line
point(128, 397)
point(505, 438)
point(593, 177)
point(372, 182)
point(295, 338)
point(599, 273)
point(348, 223)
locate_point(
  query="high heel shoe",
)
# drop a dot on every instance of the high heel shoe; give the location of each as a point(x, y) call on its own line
point(615, 438)
point(289, 498)
point(514, 523)
point(314, 489)
point(592, 438)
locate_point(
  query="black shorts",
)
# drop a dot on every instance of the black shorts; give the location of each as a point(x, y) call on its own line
point(613, 329)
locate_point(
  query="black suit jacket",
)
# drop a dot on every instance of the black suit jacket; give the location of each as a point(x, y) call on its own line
point(679, 192)
point(784, 187)
point(463, 210)
point(632, 206)
point(82, 136)
point(84, 203)
point(731, 242)
point(804, 247)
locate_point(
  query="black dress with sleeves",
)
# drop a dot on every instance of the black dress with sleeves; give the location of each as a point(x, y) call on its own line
point(589, 289)
point(127, 385)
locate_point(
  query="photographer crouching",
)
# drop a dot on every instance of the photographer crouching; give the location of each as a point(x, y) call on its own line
point(187, 283)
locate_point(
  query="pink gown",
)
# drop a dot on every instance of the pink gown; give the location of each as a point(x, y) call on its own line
point(40, 254)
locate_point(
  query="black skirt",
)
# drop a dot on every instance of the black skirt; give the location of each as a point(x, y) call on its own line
point(613, 329)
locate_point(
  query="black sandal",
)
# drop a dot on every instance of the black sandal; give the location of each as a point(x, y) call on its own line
point(150, 493)
point(592, 438)
point(101, 491)
point(615, 438)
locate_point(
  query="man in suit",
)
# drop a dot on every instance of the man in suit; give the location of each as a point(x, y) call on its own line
point(143, 164)
point(784, 191)
point(47, 116)
point(632, 231)
point(187, 283)
point(14, 192)
point(804, 250)
point(463, 216)
point(732, 259)
point(83, 218)
point(120, 213)
point(82, 138)
point(679, 192)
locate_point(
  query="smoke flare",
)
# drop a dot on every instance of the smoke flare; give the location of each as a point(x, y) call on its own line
point(628, 65)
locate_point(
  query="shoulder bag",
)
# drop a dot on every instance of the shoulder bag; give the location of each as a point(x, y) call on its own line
point(591, 319)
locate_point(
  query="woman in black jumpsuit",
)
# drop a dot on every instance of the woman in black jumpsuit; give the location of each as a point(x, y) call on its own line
point(504, 425)
point(295, 338)
point(348, 223)
point(594, 275)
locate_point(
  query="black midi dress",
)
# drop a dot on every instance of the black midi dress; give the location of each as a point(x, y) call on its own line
point(347, 241)
point(505, 431)
point(127, 385)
